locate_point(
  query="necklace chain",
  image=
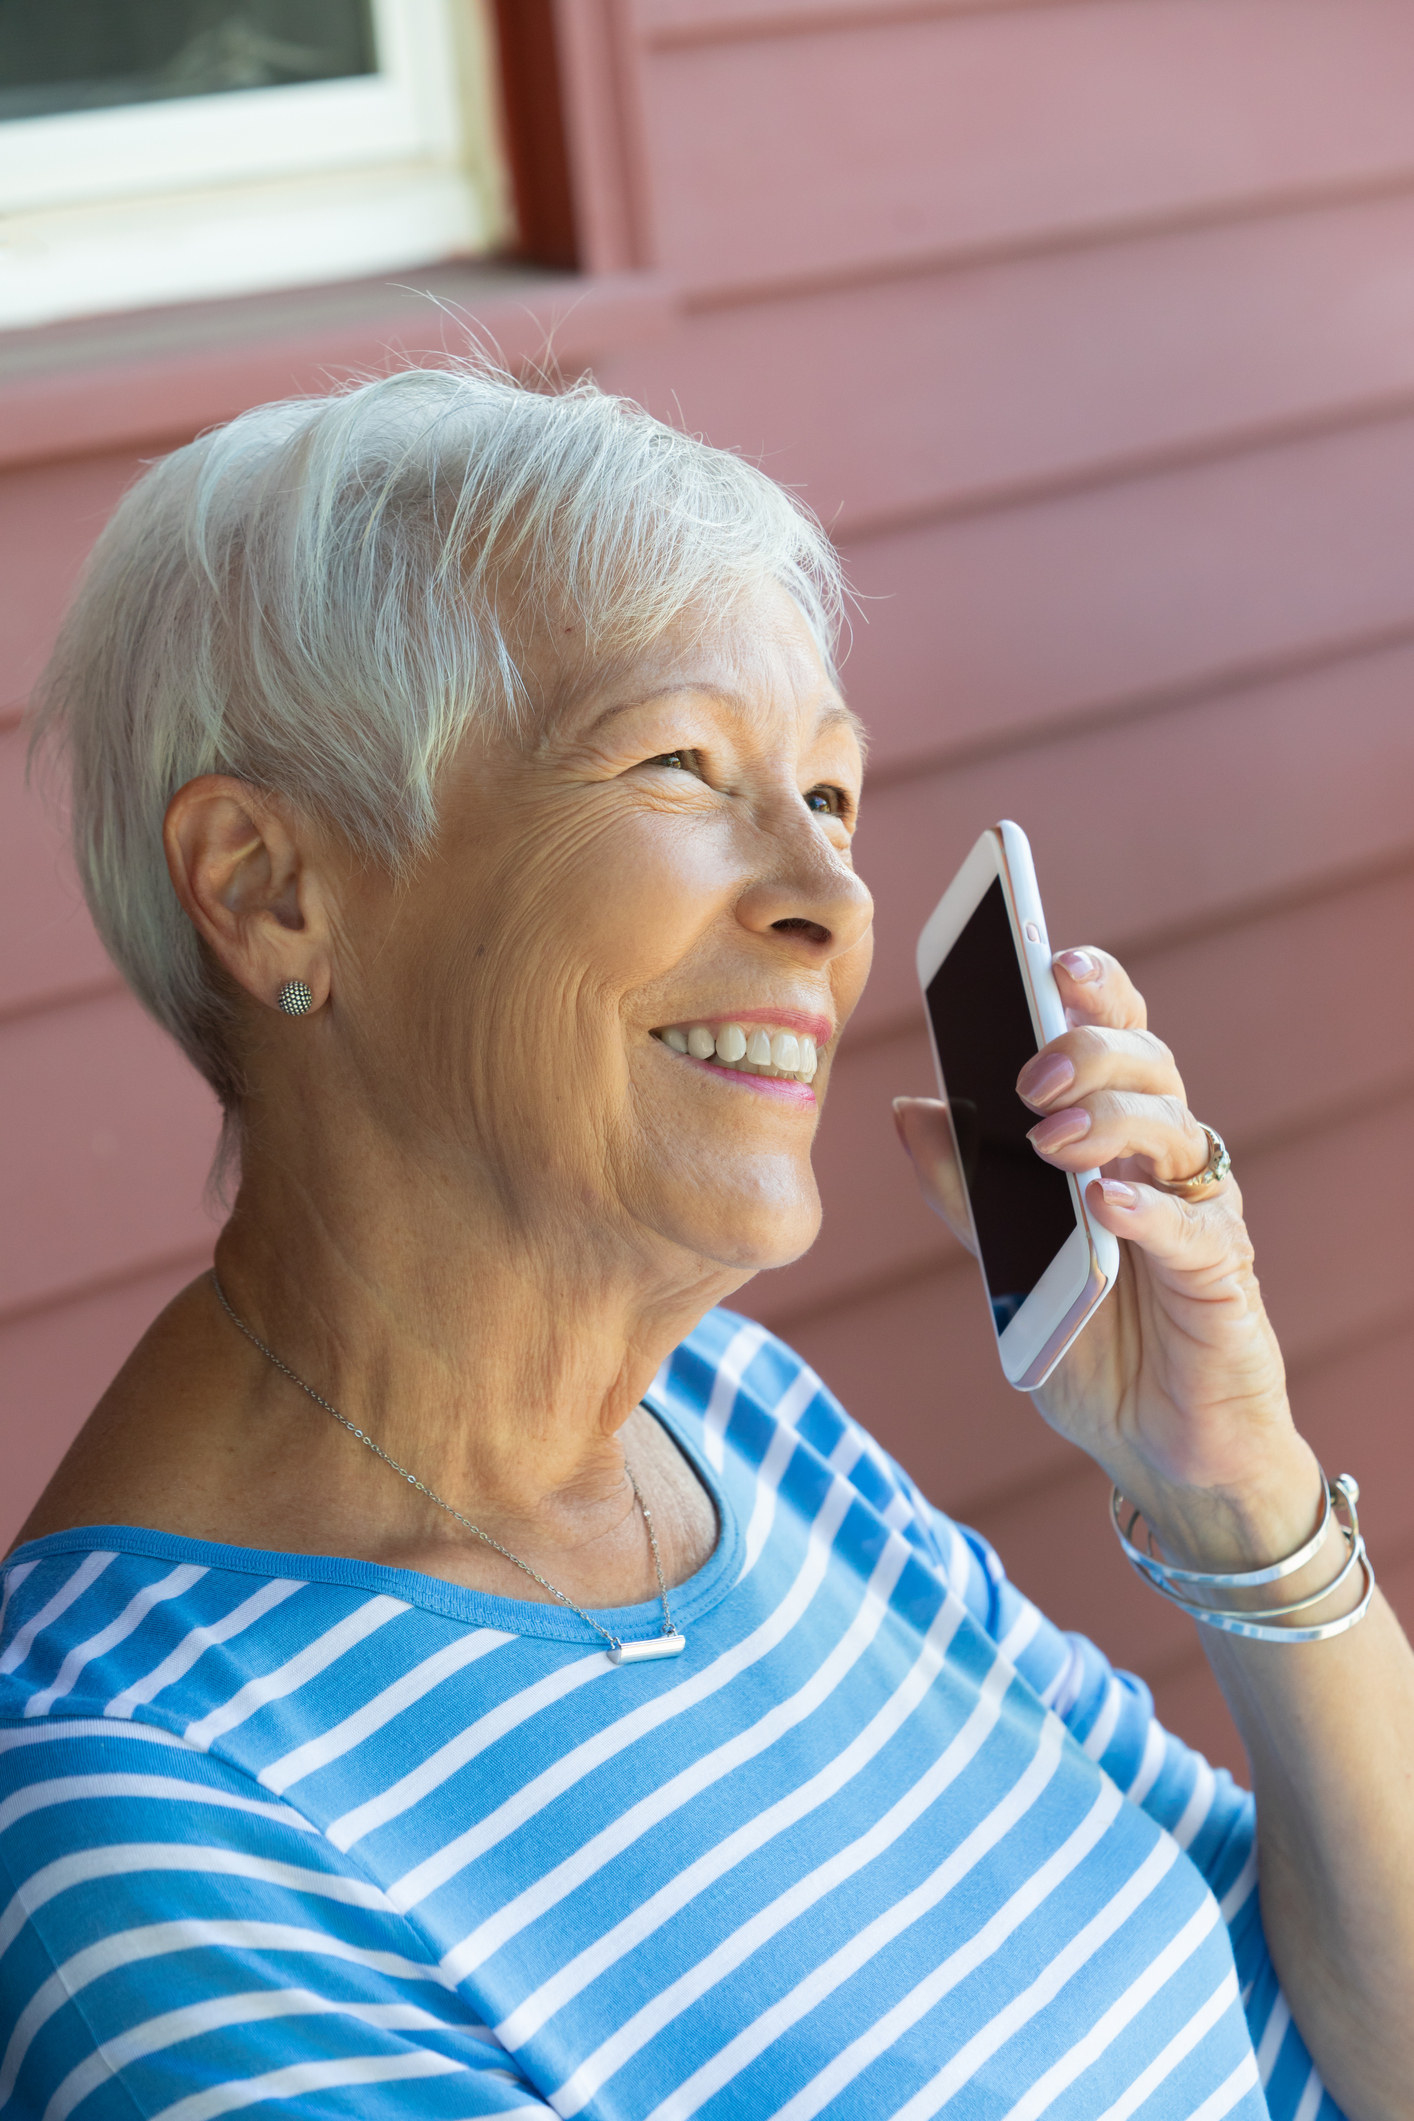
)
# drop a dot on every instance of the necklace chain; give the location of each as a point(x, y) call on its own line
point(669, 1628)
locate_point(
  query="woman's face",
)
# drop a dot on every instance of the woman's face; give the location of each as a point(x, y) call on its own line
point(663, 876)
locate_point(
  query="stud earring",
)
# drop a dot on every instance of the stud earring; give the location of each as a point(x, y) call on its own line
point(296, 997)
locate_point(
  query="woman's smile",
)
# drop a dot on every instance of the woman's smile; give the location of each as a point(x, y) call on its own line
point(756, 1046)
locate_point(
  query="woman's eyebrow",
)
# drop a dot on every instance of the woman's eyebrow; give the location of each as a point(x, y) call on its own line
point(833, 713)
point(702, 689)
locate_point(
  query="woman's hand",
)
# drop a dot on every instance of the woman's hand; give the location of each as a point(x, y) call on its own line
point(1176, 1386)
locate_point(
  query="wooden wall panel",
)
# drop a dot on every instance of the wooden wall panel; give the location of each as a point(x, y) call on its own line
point(55, 1362)
point(960, 388)
point(49, 516)
point(984, 628)
point(1158, 821)
point(883, 142)
point(47, 944)
point(1353, 1405)
point(109, 1136)
point(1011, 376)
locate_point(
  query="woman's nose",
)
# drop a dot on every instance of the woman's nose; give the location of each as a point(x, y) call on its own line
point(810, 891)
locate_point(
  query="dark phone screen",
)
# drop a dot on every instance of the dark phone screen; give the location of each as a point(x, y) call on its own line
point(1021, 1208)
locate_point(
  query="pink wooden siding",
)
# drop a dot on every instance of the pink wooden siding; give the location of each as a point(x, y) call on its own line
point(1089, 326)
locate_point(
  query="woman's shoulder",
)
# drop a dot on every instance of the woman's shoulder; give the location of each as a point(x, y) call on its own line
point(748, 1399)
point(112, 1622)
point(745, 1385)
point(731, 1370)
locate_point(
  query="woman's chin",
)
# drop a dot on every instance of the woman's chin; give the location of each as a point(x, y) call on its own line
point(744, 1235)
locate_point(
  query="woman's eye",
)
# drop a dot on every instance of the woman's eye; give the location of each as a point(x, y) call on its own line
point(682, 760)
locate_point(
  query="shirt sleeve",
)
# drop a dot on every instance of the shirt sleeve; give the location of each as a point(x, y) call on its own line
point(1111, 1716)
point(173, 1944)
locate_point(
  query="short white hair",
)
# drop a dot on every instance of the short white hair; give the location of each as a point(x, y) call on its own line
point(324, 596)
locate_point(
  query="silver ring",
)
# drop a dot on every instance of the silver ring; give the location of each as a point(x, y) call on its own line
point(1203, 1182)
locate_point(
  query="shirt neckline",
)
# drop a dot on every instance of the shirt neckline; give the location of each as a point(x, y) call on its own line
point(513, 1616)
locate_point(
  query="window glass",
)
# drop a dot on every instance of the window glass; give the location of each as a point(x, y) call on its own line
point(77, 55)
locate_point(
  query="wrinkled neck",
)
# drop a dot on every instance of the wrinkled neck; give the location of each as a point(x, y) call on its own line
point(494, 1347)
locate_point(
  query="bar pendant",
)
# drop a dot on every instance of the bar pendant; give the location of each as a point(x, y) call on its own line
point(644, 1652)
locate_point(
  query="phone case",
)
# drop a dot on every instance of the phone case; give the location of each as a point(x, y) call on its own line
point(1084, 1271)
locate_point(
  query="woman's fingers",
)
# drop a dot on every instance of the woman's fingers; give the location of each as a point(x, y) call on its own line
point(923, 1128)
point(1080, 1062)
point(1200, 1246)
point(1108, 1090)
point(1116, 1125)
point(1096, 989)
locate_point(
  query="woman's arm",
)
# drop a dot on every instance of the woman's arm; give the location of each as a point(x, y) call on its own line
point(167, 1928)
point(1177, 1389)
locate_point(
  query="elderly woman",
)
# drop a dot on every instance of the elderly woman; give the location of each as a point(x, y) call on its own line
point(459, 1669)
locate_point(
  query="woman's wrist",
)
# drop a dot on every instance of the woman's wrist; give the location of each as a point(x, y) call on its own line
point(1246, 1520)
point(1251, 1528)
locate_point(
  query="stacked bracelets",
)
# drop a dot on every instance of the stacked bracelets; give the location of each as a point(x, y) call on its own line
point(1182, 1585)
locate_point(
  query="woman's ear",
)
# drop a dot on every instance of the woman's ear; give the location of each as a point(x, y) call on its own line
point(249, 876)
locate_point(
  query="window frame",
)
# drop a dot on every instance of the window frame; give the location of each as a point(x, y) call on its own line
point(252, 190)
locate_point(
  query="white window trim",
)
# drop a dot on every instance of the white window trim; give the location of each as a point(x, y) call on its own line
point(263, 188)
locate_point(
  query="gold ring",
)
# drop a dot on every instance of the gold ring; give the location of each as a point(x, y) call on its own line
point(1206, 1181)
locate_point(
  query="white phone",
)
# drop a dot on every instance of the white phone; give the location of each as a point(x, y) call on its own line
point(984, 963)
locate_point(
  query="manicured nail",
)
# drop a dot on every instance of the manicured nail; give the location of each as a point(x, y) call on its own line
point(1118, 1194)
point(1079, 964)
point(1042, 1080)
point(1060, 1130)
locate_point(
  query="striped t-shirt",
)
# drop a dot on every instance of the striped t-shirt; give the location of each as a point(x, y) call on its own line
point(292, 1831)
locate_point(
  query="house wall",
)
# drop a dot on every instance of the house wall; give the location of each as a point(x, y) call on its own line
point(1089, 328)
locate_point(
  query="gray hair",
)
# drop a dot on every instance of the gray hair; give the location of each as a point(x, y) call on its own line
point(321, 598)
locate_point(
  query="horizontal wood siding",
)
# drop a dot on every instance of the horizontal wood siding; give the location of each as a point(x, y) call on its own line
point(895, 136)
point(1089, 327)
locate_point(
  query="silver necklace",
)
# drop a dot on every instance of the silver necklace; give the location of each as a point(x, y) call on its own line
point(669, 1643)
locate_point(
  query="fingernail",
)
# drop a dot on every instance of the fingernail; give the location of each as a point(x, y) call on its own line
point(1079, 964)
point(1042, 1080)
point(1060, 1129)
point(1118, 1194)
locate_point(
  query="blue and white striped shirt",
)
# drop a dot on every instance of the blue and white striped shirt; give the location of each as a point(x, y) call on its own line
point(281, 1830)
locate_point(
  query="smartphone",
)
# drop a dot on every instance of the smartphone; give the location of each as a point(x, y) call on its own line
point(984, 963)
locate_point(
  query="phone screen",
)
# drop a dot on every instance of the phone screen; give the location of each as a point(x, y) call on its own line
point(1021, 1208)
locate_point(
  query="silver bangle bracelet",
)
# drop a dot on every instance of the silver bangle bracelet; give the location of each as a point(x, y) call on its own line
point(1220, 1613)
point(1347, 1488)
point(1265, 1631)
point(1257, 1624)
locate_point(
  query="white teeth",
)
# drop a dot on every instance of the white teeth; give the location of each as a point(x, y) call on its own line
point(763, 1052)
